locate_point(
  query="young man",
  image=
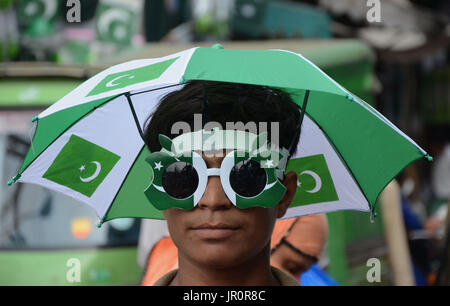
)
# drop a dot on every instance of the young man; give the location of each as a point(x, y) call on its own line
point(218, 242)
point(296, 244)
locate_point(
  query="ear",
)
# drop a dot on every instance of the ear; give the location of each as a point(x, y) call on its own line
point(164, 212)
point(290, 182)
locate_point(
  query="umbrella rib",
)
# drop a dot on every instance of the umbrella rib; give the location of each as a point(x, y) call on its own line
point(138, 126)
point(305, 101)
point(153, 89)
point(299, 126)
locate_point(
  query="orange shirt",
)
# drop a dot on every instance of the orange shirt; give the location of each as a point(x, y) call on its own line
point(162, 259)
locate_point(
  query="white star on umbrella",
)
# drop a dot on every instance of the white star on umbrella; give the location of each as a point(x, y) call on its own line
point(82, 167)
point(158, 165)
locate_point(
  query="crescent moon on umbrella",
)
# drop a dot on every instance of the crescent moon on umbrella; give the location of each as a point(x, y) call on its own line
point(96, 173)
point(108, 17)
point(316, 179)
point(112, 84)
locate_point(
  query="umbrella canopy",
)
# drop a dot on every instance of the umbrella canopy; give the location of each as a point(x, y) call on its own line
point(88, 145)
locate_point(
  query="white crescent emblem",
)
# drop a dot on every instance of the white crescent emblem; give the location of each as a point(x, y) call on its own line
point(31, 8)
point(268, 186)
point(112, 84)
point(316, 178)
point(159, 188)
point(96, 173)
point(50, 8)
point(108, 17)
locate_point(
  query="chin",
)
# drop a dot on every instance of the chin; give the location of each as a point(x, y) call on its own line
point(218, 257)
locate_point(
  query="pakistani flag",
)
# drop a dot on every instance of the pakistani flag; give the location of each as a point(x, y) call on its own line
point(133, 76)
point(29, 11)
point(314, 184)
point(89, 144)
point(117, 22)
point(81, 165)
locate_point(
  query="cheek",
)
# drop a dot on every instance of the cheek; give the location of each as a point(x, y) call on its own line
point(262, 221)
point(260, 225)
point(175, 224)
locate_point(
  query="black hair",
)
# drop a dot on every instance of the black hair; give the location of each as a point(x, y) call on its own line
point(226, 102)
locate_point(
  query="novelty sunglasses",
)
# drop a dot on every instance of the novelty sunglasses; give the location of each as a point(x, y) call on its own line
point(249, 177)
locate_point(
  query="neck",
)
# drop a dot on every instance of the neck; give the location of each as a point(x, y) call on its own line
point(254, 272)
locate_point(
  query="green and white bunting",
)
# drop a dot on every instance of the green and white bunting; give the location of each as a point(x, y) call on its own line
point(88, 144)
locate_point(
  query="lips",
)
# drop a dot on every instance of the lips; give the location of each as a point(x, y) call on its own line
point(214, 231)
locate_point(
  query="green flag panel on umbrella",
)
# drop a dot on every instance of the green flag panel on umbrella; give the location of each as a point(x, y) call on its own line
point(366, 143)
point(88, 145)
point(78, 157)
point(314, 184)
point(130, 200)
point(276, 68)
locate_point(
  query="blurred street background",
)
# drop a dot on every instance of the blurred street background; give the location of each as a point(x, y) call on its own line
point(394, 54)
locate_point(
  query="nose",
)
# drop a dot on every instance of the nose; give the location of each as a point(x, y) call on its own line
point(214, 197)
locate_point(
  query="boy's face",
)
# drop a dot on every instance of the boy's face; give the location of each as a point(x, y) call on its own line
point(218, 234)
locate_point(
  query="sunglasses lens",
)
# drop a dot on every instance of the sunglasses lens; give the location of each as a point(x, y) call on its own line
point(180, 180)
point(247, 178)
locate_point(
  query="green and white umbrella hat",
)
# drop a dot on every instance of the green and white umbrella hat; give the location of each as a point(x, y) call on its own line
point(88, 145)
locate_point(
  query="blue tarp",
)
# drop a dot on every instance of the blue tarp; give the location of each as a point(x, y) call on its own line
point(315, 276)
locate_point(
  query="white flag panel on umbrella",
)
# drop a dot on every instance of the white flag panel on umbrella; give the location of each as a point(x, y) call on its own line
point(82, 94)
point(342, 192)
point(110, 133)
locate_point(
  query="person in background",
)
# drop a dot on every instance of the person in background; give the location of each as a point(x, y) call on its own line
point(296, 244)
